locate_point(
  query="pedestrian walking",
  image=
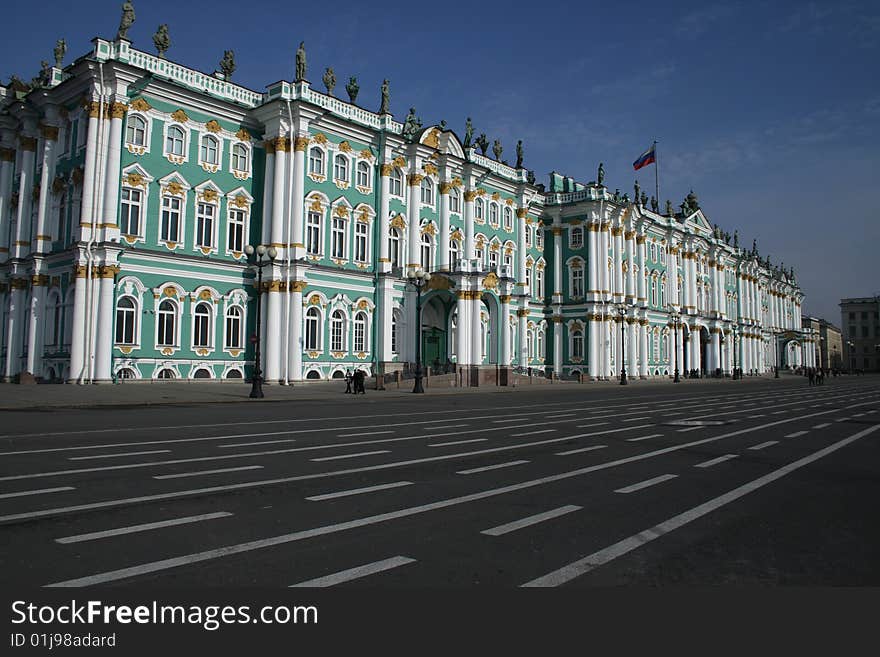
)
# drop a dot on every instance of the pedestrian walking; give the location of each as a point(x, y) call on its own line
point(811, 375)
point(359, 377)
point(348, 381)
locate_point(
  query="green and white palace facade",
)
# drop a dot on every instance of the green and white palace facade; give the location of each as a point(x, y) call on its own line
point(130, 186)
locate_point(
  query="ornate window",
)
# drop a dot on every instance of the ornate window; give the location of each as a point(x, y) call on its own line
point(454, 251)
point(131, 211)
point(576, 237)
point(337, 331)
point(340, 168)
point(209, 151)
point(539, 283)
point(653, 252)
point(427, 191)
point(539, 238)
point(361, 241)
point(363, 174)
point(529, 277)
point(202, 332)
point(126, 321)
point(539, 347)
point(166, 324)
point(316, 161)
point(395, 186)
point(454, 200)
point(54, 328)
point(169, 228)
point(175, 138)
point(394, 247)
point(360, 332)
point(478, 208)
point(577, 281)
point(528, 235)
point(508, 219)
point(337, 238)
point(313, 233)
point(493, 214)
point(654, 291)
point(235, 229)
point(313, 329)
point(234, 327)
point(240, 158)
point(493, 260)
point(577, 344)
point(205, 225)
point(662, 294)
point(135, 131)
point(427, 252)
point(395, 332)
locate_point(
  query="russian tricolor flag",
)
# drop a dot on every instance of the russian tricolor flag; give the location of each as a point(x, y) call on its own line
point(645, 158)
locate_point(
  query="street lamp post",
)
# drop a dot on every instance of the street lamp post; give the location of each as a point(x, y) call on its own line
point(852, 356)
point(419, 278)
point(258, 263)
point(675, 320)
point(622, 312)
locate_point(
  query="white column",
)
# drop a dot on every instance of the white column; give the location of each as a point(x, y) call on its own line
point(672, 275)
point(634, 353)
point(384, 222)
point(276, 234)
point(7, 163)
point(414, 234)
point(630, 267)
point(462, 334)
point(469, 197)
point(106, 310)
point(14, 321)
point(521, 249)
point(443, 237)
point(558, 283)
point(297, 240)
point(557, 345)
point(640, 283)
point(593, 345)
point(476, 329)
point(268, 183)
point(504, 327)
point(77, 336)
point(89, 188)
point(111, 180)
point(607, 327)
point(592, 259)
point(679, 351)
point(294, 344)
point(604, 238)
point(272, 356)
point(384, 315)
point(617, 260)
point(36, 325)
point(692, 279)
point(25, 186)
point(42, 240)
point(643, 349)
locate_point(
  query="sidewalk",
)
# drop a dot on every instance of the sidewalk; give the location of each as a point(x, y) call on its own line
point(170, 393)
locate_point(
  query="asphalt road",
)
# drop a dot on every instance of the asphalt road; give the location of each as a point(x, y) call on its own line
point(771, 482)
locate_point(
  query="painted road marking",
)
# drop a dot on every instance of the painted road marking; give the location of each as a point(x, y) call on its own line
point(361, 433)
point(531, 433)
point(351, 456)
point(132, 529)
point(459, 442)
point(36, 492)
point(646, 483)
point(823, 425)
point(582, 449)
point(653, 435)
point(490, 467)
point(355, 573)
point(763, 445)
point(261, 442)
point(357, 491)
point(208, 472)
point(111, 456)
point(796, 434)
point(716, 461)
point(635, 419)
point(500, 530)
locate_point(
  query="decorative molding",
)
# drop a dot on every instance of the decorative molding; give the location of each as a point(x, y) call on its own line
point(180, 116)
point(140, 105)
point(213, 126)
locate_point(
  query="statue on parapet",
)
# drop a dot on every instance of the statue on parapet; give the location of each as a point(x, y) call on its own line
point(60, 51)
point(519, 154)
point(669, 212)
point(483, 143)
point(383, 107)
point(655, 205)
point(637, 189)
point(227, 64)
point(300, 62)
point(411, 125)
point(352, 88)
point(600, 176)
point(497, 149)
point(126, 21)
point(161, 40)
point(329, 80)
point(468, 133)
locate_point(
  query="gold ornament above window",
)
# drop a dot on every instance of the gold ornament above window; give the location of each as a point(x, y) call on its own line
point(180, 116)
point(345, 147)
point(243, 134)
point(140, 105)
point(213, 126)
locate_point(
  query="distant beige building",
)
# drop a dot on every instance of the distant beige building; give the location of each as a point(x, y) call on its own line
point(860, 319)
point(829, 346)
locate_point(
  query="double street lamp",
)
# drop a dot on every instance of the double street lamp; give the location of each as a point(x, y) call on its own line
point(676, 320)
point(622, 311)
point(419, 279)
point(258, 263)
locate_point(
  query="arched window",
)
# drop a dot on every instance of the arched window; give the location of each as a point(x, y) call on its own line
point(427, 252)
point(528, 235)
point(363, 174)
point(654, 291)
point(166, 373)
point(539, 237)
point(454, 251)
point(233, 374)
point(360, 332)
point(126, 373)
point(313, 375)
point(655, 346)
point(427, 191)
point(395, 333)
point(135, 131)
point(508, 219)
point(539, 283)
point(454, 200)
point(126, 321)
point(337, 237)
point(340, 168)
point(210, 149)
point(131, 211)
point(493, 259)
point(174, 141)
point(540, 344)
point(313, 329)
point(530, 344)
point(662, 294)
point(394, 247)
point(202, 373)
point(202, 326)
point(577, 281)
point(493, 214)
point(234, 328)
point(337, 331)
point(529, 277)
point(316, 161)
point(313, 233)
point(507, 259)
point(577, 237)
point(240, 158)
point(396, 183)
point(166, 329)
point(653, 252)
point(478, 208)
point(577, 344)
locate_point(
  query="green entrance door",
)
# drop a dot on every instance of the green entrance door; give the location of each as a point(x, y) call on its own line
point(434, 346)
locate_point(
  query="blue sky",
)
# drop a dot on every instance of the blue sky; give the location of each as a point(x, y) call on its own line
point(770, 111)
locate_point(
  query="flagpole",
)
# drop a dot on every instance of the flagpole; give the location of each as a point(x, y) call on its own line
point(656, 173)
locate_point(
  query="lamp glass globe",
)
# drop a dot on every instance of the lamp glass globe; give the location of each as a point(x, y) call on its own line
point(261, 250)
point(249, 249)
point(273, 252)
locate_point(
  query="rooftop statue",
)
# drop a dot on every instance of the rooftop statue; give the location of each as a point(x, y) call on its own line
point(519, 154)
point(600, 176)
point(637, 189)
point(497, 149)
point(530, 177)
point(655, 206)
point(736, 239)
point(483, 142)
point(468, 133)
point(443, 125)
point(329, 80)
point(352, 88)
point(161, 40)
point(227, 64)
point(411, 125)
point(669, 211)
point(301, 62)
point(60, 51)
point(383, 108)
point(644, 199)
point(126, 21)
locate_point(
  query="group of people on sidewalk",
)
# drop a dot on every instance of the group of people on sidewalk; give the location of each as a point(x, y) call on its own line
point(816, 376)
point(355, 379)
